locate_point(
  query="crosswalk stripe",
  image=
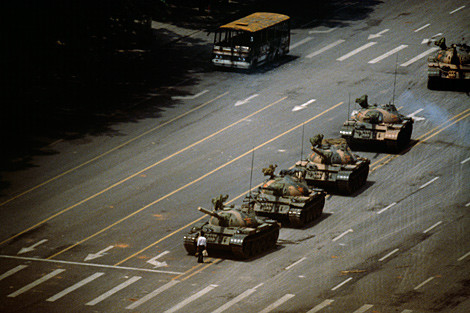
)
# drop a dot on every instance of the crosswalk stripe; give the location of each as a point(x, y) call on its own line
point(35, 283)
point(320, 306)
point(153, 294)
point(114, 290)
point(419, 56)
point(74, 287)
point(277, 303)
point(385, 55)
point(12, 271)
point(235, 300)
point(356, 51)
point(295, 45)
point(328, 47)
point(363, 308)
point(191, 299)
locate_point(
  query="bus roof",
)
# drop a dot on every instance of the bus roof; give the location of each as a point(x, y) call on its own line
point(256, 21)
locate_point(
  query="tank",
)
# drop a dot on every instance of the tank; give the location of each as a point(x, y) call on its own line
point(287, 198)
point(377, 125)
point(333, 165)
point(234, 229)
point(448, 64)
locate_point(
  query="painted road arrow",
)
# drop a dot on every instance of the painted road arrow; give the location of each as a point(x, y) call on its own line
point(429, 40)
point(246, 100)
point(156, 263)
point(379, 34)
point(101, 253)
point(31, 248)
point(303, 106)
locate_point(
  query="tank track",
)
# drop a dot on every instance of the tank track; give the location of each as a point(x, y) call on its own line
point(356, 180)
point(299, 217)
point(256, 244)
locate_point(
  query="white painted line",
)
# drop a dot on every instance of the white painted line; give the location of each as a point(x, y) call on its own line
point(74, 287)
point(114, 290)
point(422, 27)
point(305, 40)
point(419, 56)
point(363, 308)
point(468, 204)
point(303, 106)
point(246, 100)
point(278, 303)
point(322, 31)
point(463, 256)
point(379, 34)
point(189, 97)
point(35, 283)
point(235, 300)
point(328, 47)
point(91, 265)
point(429, 182)
point(341, 284)
point(386, 208)
point(294, 264)
point(12, 271)
point(153, 294)
point(385, 55)
point(424, 283)
point(438, 223)
point(31, 248)
point(465, 161)
point(387, 255)
point(191, 299)
point(458, 9)
point(356, 51)
point(407, 311)
point(343, 234)
point(321, 306)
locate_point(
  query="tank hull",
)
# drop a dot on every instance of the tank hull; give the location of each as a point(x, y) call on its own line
point(339, 177)
point(394, 137)
point(241, 242)
point(297, 211)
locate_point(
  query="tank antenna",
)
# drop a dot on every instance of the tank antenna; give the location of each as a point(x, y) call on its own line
point(302, 145)
point(349, 102)
point(395, 81)
point(251, 174)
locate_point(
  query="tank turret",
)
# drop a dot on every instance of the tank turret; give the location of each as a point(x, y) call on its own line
point(234, 229)
point(332, 165)
point(286, 197)
point(377, 124)
point(450, 63)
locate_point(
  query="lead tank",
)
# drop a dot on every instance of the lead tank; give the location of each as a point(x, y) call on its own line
point(234, 229)
point(287, 197)
point(377, 124)
point(448, 64)
point(333, 165)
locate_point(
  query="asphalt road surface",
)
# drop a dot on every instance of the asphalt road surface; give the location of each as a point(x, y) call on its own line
point(98, 226)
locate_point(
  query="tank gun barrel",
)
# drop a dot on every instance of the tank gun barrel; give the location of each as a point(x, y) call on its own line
point(319, 152)
point(211, 213)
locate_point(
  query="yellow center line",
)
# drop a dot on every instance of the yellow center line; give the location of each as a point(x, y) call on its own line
point(201, 269)
point(204, 176)
point(112, 150)
point(140, 172)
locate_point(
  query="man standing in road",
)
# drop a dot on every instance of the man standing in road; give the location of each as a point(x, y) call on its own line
point(201, 246)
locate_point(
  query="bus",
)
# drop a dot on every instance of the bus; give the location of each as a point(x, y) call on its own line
point(252, 40)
